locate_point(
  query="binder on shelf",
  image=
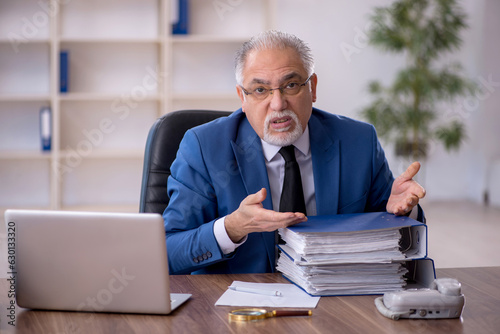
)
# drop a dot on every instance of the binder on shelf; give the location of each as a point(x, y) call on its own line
point(46, 128)
point(352, 254)
point(63, 71)
point(180, 26)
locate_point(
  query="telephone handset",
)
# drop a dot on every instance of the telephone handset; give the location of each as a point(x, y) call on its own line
point(443, 299)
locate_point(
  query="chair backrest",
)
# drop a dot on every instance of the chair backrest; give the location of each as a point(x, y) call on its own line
point(161, 149)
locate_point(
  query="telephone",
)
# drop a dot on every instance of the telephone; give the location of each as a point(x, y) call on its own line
point(443, 299)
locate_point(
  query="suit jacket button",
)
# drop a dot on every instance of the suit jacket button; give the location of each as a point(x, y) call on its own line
point(195, 260)
point(209, 254)
point(200, 258)
point(205, 256)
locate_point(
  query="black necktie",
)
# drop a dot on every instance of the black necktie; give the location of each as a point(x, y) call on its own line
point(292, 195)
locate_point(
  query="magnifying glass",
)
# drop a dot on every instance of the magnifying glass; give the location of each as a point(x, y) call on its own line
point(251, 314)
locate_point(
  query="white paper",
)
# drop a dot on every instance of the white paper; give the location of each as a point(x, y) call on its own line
point(344, 279)
point(292, 296)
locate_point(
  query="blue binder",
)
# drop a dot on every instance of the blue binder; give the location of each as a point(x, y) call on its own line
point(63, 71)
point(181, 27)
point(411, 267)
point(354, 222)
point(46, 128)
point(415, 240)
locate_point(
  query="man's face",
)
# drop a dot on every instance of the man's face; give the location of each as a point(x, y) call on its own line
point(279, 118)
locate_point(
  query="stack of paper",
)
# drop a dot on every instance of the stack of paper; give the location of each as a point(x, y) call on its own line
point(345, 254)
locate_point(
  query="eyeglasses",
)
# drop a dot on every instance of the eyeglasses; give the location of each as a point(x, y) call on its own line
point(289, 89)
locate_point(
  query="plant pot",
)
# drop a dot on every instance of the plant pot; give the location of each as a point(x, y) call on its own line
point(410, 149)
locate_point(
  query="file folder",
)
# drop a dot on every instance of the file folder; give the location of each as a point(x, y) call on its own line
point(417, 274)
point(356, 254)
point(181, 25)
point(414, 233)
point(45, 128)
point(63, 71)
point(421, 273)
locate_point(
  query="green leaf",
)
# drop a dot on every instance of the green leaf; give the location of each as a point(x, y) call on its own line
point(452, 135)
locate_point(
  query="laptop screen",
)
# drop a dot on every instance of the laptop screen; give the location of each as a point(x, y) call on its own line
point(90, 261)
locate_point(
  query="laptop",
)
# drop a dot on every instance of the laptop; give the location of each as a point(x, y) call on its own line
point(90, 261)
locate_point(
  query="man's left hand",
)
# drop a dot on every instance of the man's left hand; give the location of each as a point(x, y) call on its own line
point(406, 192)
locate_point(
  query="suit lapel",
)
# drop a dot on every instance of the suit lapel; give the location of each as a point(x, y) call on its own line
point(326, 167)
point(247, 149)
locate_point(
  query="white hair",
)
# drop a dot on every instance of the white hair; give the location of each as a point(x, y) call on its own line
point(273, 39)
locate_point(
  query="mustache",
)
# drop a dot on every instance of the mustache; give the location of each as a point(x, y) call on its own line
point(278, 114)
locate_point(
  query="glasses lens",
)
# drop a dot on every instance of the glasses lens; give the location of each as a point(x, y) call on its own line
point(260, 93)
point(292, 88)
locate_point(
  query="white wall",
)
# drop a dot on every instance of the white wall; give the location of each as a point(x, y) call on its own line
point(328, 26)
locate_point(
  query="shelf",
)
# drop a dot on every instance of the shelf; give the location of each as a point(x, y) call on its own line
point(204, 97)
point(16, 42)
point(24, 21)
point(234, 18)
point(109, 97)
point(94, 126)
point(25, 155)
point(199, 39)
point(19, 126)
point(99, 182)
point(108, 40)
point(110, 68)
point(104, 154)
point(25, 182)
point(125, 70)
point(211, 74)
point(110, 19)
point(132, 208)
point(25, 72)
point(24, 97)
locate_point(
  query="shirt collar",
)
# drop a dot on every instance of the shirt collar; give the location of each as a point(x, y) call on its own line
point(302, 144)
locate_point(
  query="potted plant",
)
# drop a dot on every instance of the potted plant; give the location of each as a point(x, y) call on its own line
point(406, 111)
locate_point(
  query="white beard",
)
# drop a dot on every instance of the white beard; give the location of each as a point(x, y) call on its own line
point(286, 138)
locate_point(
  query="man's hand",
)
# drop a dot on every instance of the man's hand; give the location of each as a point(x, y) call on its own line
point(405, 192)
point(252, 217)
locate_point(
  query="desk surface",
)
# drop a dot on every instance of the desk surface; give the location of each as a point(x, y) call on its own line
point(352, 314)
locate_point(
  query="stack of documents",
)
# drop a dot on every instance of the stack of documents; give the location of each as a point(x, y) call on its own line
point(349, 254)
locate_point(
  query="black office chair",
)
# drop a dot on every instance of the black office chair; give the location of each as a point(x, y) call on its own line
point(161, 148)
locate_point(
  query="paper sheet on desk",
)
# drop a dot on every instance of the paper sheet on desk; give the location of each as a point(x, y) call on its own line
point(292, 296)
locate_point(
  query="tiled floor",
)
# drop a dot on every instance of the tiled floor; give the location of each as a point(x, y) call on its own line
point(460, 234)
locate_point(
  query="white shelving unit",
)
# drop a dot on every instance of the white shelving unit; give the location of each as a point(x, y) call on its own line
point(125, 70)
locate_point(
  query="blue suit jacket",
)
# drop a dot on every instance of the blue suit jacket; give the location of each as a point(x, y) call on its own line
point(220, 163)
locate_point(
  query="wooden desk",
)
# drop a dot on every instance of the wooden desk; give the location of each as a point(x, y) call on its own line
point(354, 314)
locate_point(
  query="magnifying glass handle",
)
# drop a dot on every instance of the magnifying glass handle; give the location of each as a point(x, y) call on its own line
point(285, 313)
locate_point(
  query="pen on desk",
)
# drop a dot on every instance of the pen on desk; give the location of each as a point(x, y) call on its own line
point(256, 291)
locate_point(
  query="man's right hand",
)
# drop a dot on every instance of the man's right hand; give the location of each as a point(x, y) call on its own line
point(252, 217)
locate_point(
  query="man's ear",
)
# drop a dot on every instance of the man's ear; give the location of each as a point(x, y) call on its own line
point(314, 84)
point(241, 95)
